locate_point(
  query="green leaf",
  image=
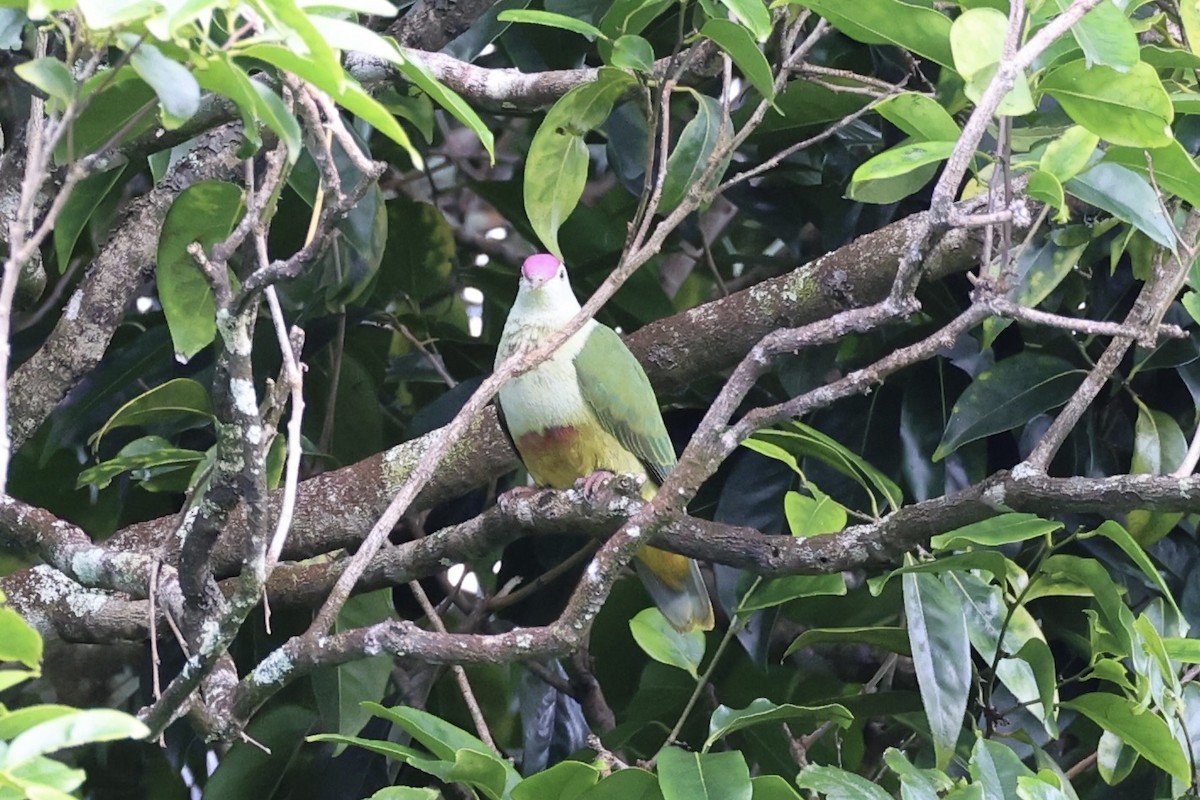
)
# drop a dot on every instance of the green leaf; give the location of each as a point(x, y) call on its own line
point(1127, 196)
point(1189, 15)
point(941, 652)
point(916, 781)
point(221, 75)
point(921, 117)
point(423, 79)
point(148, 457)
point(631, 16)
point(798, 440)
point(177, 89)
point(752, 14)
point(913, 27)
point(50, 75)
point(556, 169)
point(12, 677)
point(991, 561)
point(279, 119)
point(666, 645)
point(703, 776)
point(1126, 108)
point(692, 153)
point(18, 640)
point(1002, 529)
point(977, 43)
point(205, 212)
point(180, 397)
point(1185, 650)
point(632, 52)
point(1114, 615)
point(566, 780)
point(1009, 394)
point(997, 769)
point(1045, 187)
point(1070, 153)
point(813, 516)
point(1174, 170)
point(778, 591)
point(625, 784)
point(1159, 446)
point(406, 793)
point(1142, 730)
point(773, 787)
point(904, 161)
point(341, 690)
point(71, 730)
point(1105, 36)
point(15, 722)
point(741, 47)
point(725, 720)
point(836, 783)
point(77, 211)
point(1114, 761)
point(552, 20)
point(888, 638)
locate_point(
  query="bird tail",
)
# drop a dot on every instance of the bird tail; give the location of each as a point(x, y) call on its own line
point(675, 584)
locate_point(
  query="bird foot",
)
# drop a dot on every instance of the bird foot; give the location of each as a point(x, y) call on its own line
point(590, 484)
point(508, 500)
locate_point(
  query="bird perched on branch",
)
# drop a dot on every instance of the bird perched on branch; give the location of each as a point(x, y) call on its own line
point(590, 408)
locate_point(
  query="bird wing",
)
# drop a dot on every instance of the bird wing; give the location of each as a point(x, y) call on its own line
point(617, 391)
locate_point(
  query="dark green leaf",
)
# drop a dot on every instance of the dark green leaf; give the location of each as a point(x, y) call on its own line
point(692, 153)
point(1002, 529)
point(725, 720)
point(77, 211)
point(1008, 395)
point(423, 79)
point(552, 20)
point(741, 47)
point(1174, 170)
point(625, 784)
point(996, 768)
point(892, 639)
point(181, 397)
point(566, 780)
point(632, 52)
point(205, 212)
point(778, 591)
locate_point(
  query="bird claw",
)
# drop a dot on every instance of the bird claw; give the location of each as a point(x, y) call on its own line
point(508, 499)
point(590, 484)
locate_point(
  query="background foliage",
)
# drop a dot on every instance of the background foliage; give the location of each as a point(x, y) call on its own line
point(1031, 645)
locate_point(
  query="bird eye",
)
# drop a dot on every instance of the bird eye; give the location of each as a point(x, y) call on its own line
point(562, 273)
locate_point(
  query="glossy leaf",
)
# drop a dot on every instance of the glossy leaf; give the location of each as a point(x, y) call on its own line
point(625, 784)
point(77, 211)
point(1009, 394)
point(50, 75)
point(741, 47)
point(1142, 730)
point(921, 117)
point(205, 212)
point(1002, 529)
point(148, 457)
point(1070, 153)
point(1105, 36)
point(917, 28)
point(177, 89)
point(692, 153)
point(19, 720)
point(996, 768)
point(815, 515)
point(666, 645)
point(18, 640)
point(725, 720)
point(71, 730)
point(778, 591)
point(977, 43)
point(703, 776)
point(836, 783)
point(633, 52)
point(892, 639)
point(753, 14)
point(556, 169)
point(181, 397)
point(1126, 108)
point(941, 652)
point(1127, 196)
point(898, 172)
point(773, 787)
point(566, 780)
point(552, 20)
point(1175, 171)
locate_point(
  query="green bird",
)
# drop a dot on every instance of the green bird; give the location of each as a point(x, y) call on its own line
point(590, 408)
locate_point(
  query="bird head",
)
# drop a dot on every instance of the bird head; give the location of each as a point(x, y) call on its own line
point(544, 282)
